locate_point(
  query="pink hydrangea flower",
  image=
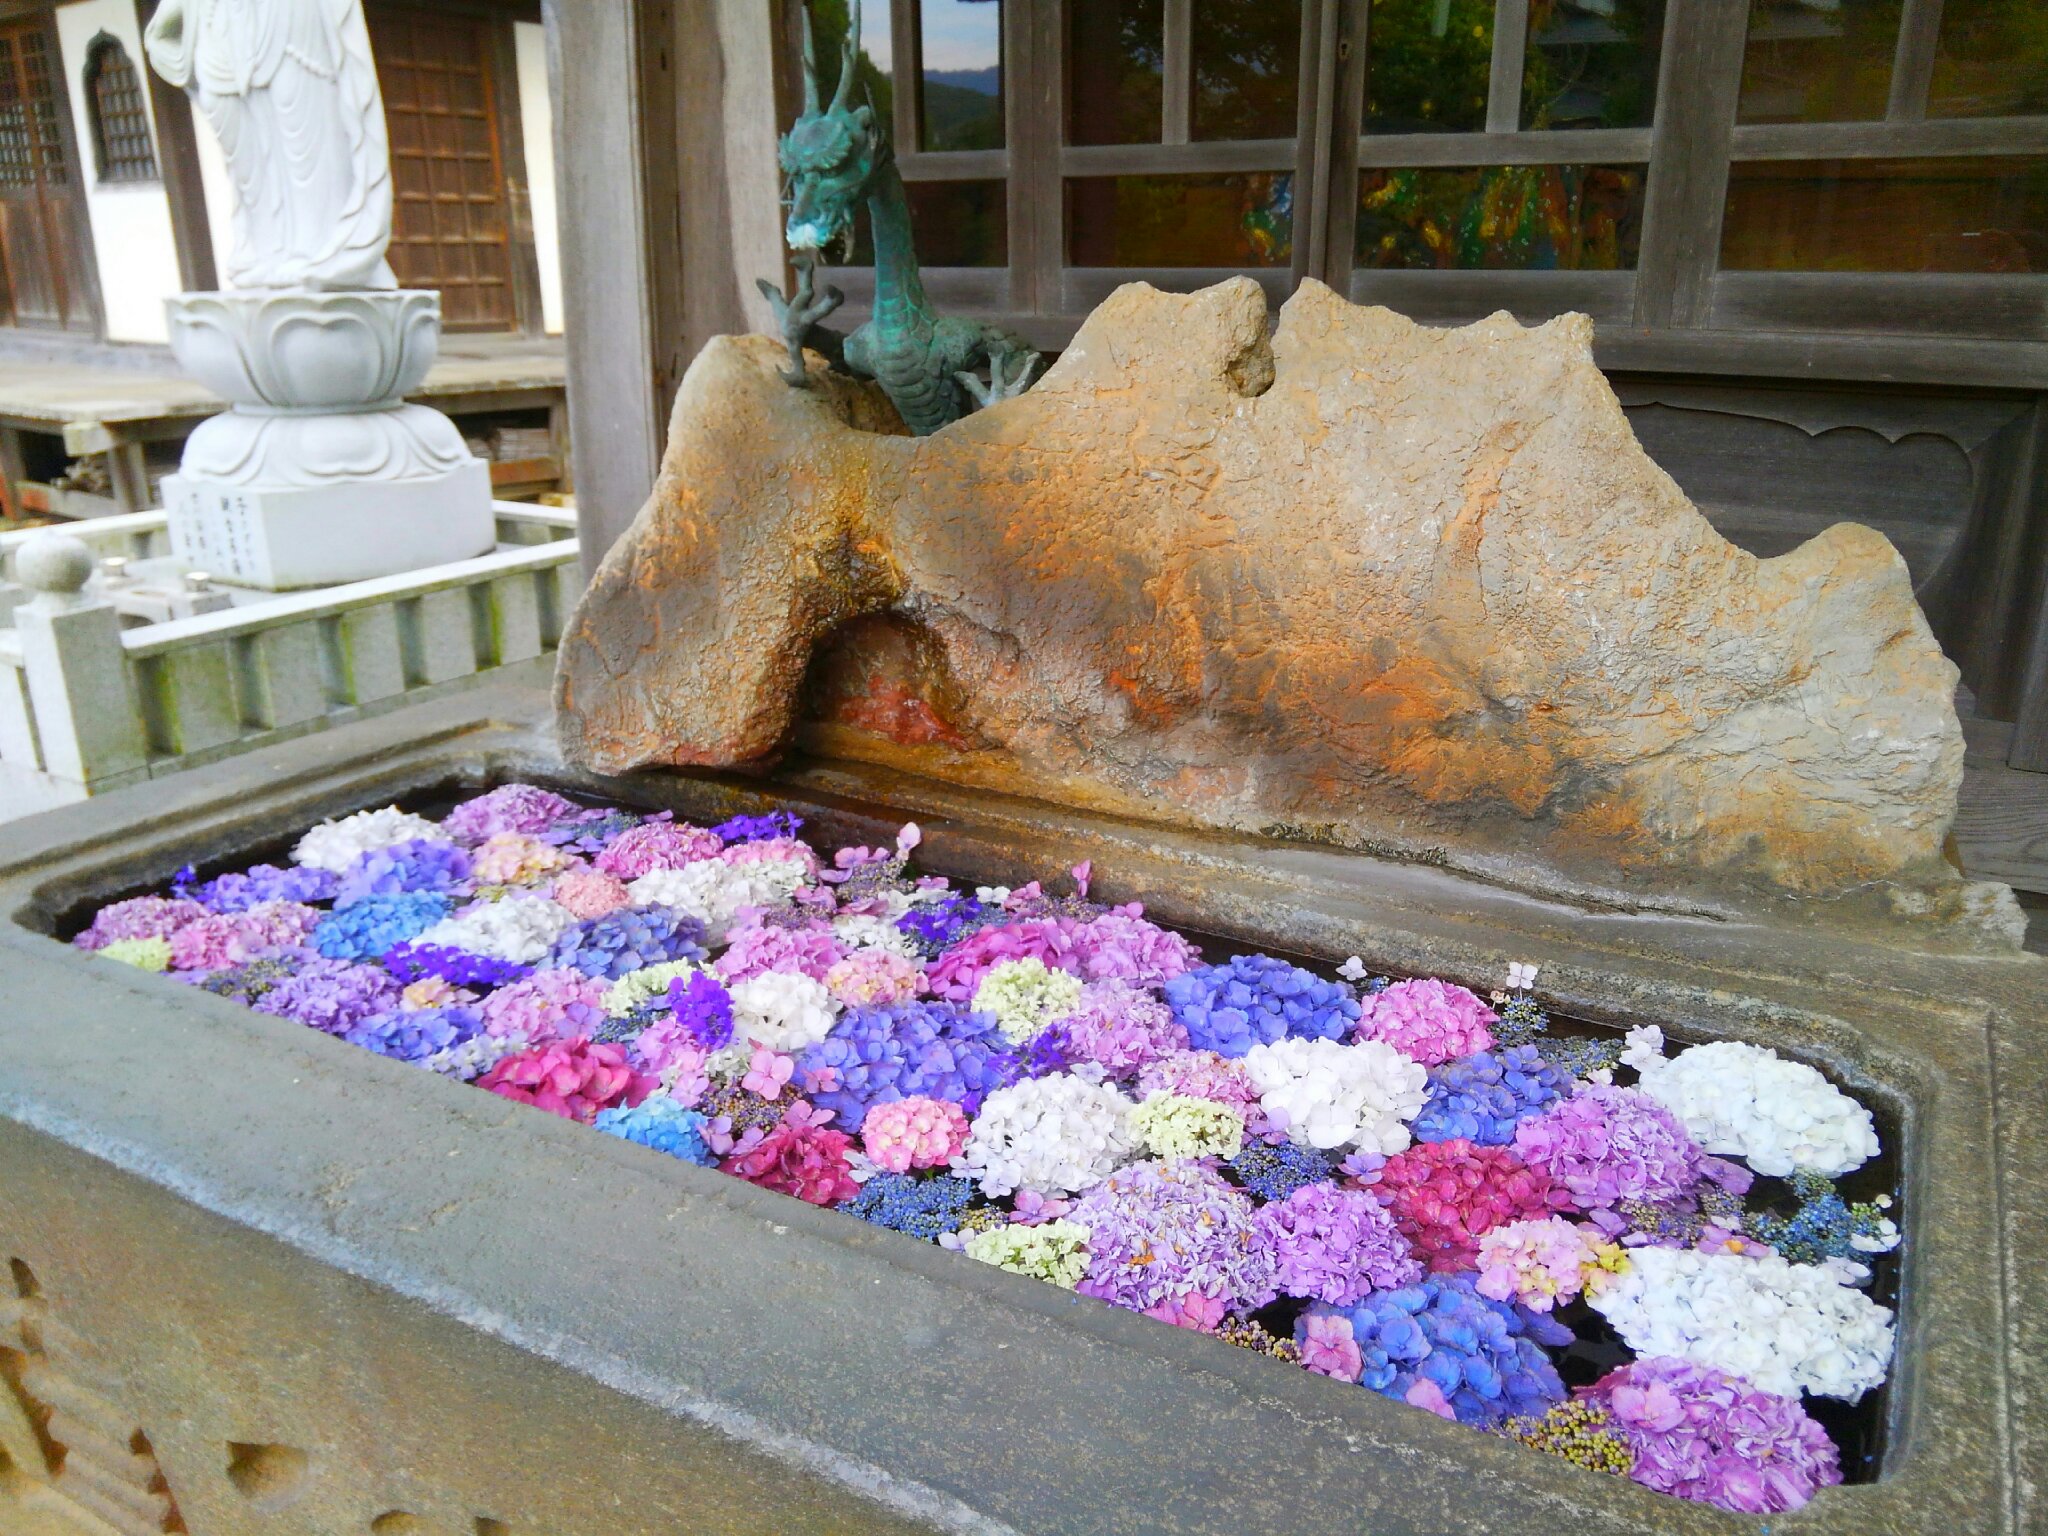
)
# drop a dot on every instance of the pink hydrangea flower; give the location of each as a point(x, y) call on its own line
point(1545, 1264)
point(573, 1078)
point(754, 950)
point(799, 1157)
point(1122, 1027)
point(1192, 1309)
point(1446, 1194)
point(1330, 1348)
point(1426, 1394)
point(767, 849)
point(210, 943)
point(960, 969)
point(509, 858)
point(1432, 1021)
point(548, 1005)
point(913, 1133)
point(1204, 1075)
point(767, 1073)
point(868, 977)
point(589, 893)
point(657, 845)
point(139, 917)
point(1121, 945)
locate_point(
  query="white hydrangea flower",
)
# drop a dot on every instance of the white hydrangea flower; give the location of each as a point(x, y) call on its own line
point(861, 930)
point(1786, 1328)
point(473, 1057)
point(334, 845)
point(645, 985)
point(782, 1010)
point(521, 929)
point(1332, 1095)
point(1750, 1102)
point(713, 892)
point(1058, 1135)
point(1026, 996)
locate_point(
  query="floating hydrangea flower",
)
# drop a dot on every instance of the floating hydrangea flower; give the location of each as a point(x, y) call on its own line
point(937, 925)
point(1157, 1231)
point(331, 995)
point(1825, 1227)
point(1328, 1347)
point(1335, 1245)
point(1546, 1263)
point(1445, 1194)
point(1024, 997)
point(648, 985)
point(1485, 1096)
point(714, 893)
point(418, 864)
point(913, 1133)
point(212, 943)
point(1180, 1125)
point(520, 929)
point(588, 893)
point(1605, 1145)
point(266, 882)
point(1580, 1432)
point(781, 1011)
point(1483, 1357)
point(1195, 1310)
point(377, 923)
point(1204, 1075)
point(1749, 1101)
point(507, 859)
point(801, 862)
point(756, 949)
point(524, 809)
point(457, 967)
point(924, 1208)
point(628, 940)
point(335, 845)
point(1257, 1000)
point(799, 1157)
point(547, 1006)
point(1787, 1328)
point(1430, 1020)
point(1059, 1135)
point(571, 1078)
point(1705, 1435)
point(859, 931)
point(1121, 945)
point(904, 1050)
point(245, 983)
point(414, 1034)
point(1121, 1027)
point(1053, 1251)
point(433, 992)
point(468, 1060)
point(871, 976)
point(144, 954)
point(958, 973)
point(657, 845)
point(661, 1123)
point(755, 829)
point(1275, 1172)
point(139, 917)
point(1326, 1095)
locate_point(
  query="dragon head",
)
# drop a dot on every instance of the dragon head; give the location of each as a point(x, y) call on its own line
point(828, 157)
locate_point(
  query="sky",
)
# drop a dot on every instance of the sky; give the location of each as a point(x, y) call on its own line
point(958, 34)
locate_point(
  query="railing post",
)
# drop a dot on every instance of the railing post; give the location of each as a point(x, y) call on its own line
point(86, 722)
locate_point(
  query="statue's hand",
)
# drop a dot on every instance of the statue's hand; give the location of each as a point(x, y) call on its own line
point(1001, 384)
point(797, 313)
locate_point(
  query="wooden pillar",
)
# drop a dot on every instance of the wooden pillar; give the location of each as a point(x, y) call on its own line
point(177, 146)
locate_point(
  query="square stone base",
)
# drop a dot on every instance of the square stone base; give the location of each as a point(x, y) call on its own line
point(319, 536)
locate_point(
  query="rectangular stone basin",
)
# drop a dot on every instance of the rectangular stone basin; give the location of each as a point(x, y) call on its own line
point(291, 1287)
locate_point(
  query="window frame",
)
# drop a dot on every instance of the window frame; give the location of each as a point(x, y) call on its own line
point(103, 45)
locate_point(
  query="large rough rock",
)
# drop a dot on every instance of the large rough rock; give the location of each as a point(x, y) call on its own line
point(1368, 581)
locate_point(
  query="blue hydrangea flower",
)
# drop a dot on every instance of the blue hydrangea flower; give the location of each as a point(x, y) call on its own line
point(629, 939)
point(377, 923)
point(1255, 1000)
point(1274, 1173)
point(414, 1034)
point(937, 926)
point(1483, 1097)
point(589, 831)
point(757, 829)
point(416, 865)
point(901, 1051)
point(1485, 1356)
point(663, 1124)
point(239, 891)
point(925, 1208)
point(1581, 1055)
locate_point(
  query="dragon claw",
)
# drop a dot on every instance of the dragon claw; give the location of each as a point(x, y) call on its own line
point(998, 386)
point(796, 312)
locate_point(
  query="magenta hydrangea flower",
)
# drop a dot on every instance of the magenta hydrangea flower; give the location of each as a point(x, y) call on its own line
point(1432, 1021)
point(1122, 1028)
point(1445, 1194)
point(800, 1157)
point(757, 948)
point(1194, 1309)
point(548, 1005)
point(657, 845)
point(1705, 1435)
point(522, 808)
point(958, 972)
point(1607, 1144)
point(1330, 1348)
point(139, 917)
point(1160, 1230)
point(1121, 945)
point(589, 893)
point(913, 1133)
point(571, 1078)
point(1335, 1245)
point(1203, 1075)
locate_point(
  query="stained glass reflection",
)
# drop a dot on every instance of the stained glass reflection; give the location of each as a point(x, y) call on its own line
point(1504, 217)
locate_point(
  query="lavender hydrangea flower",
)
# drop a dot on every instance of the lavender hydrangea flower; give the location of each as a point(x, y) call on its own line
point(1607, 1144)
point(901, 1051)
point(377, 923)
point(522, 808)
point(757, 829)
point(414, 1034)
point(628, 940)
point(139, 917)
point(1158, 1231)
point(1121, 1027)
point(937, 926)
point(1335, 1245)
point(237, 892)
point(1256, 1000)
point(1482, 1098)
point(402, 868)
point(702, 1009)
point(331, 995)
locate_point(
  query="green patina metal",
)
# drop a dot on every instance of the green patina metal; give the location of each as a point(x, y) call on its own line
point(929, 365)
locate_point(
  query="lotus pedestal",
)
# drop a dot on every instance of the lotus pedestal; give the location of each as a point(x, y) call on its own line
point(320, 473)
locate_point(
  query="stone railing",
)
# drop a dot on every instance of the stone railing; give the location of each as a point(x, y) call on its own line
point(87, 704)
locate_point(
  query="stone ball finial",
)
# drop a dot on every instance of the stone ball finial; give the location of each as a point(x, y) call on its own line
point(54, 562)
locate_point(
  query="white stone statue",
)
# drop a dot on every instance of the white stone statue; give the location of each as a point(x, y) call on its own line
point(322, 472)
point(291, 92)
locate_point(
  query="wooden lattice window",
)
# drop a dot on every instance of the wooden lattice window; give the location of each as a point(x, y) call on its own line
point(31, 147)
point(120, 119)
point(450, 231)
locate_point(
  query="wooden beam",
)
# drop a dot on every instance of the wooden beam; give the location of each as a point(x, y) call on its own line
point(1315, 133)
point(177, 155)
point(502, 59)
point(1698, 82)
point(1034, 124)
point(1177, 72)
point(1504, 83)
point(1913, 61)
point(1883, 140)
point(906, 70)
point(1563, 146)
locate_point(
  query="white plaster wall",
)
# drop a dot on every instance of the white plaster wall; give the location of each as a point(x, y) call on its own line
point(537, 119)
point(753, 176)
point(132, 240)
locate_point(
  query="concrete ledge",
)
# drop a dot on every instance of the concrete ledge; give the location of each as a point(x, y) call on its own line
point(457, 1307)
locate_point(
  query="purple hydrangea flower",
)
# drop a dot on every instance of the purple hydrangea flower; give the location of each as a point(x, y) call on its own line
point(1605, 1145)
point(331, 995)
point(629, 939)
point(901, 1051)
point(936, 926)
point(402, 868)
point(757, 829)
point(521, 808)
point(702, 1010)
point(237, 892)
point(414, 1034)
point(1255, 1000)
point(1335, 1245)
point(139, 917)
point(458, 967)
point(1121, 945)
point(1482, 1098)
point(1122, 1028)
point(1159, 1230)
